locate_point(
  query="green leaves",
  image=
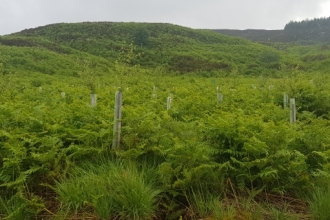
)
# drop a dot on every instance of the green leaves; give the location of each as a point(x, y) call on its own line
point(196, 144)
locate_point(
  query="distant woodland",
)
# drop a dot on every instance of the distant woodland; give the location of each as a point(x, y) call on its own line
point(304, 32)
point(316, 23)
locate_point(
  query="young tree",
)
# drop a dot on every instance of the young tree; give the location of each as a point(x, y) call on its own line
point(141, 37)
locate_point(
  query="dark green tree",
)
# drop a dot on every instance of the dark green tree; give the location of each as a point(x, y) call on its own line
point(269, 57)
point(141, 37)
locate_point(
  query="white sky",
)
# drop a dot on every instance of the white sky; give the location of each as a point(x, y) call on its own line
point(16, 15)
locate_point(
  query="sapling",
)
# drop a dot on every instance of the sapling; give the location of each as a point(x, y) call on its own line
point(169, 101)
point(292, 111)
point(117, 119)
point(93, 99)
point(285, 100)
point(91, 85)
point(235, 76)
point(90, 82)
point(154, 92)
point(219, 96)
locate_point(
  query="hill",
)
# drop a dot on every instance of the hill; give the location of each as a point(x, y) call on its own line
point(301, 36)
point(152, 45)
point(37, 55)
point(99, 46)
point(302, 32)
point(191, 147)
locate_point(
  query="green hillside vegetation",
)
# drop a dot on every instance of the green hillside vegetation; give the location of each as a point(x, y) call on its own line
point(171, 47)
point(308, 39)
point(205, 157)
point(298, 36)
point(316, 57)
point(23, 55)
point(306, 32)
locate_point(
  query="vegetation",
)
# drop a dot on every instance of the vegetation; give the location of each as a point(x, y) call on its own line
point(316, 23)
point(204, 158)
point(306, 32)
point(111, 190)
point(166, 46)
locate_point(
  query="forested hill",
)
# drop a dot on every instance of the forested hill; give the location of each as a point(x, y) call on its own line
point(316, 23)
point(154, 45)
point(303, 32)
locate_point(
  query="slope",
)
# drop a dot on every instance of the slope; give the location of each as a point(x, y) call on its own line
point(301, 36)
point(308, 32)
point(171, 47)
point(26, 55)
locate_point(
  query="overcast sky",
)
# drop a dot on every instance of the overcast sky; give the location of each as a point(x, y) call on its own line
point(17, 15)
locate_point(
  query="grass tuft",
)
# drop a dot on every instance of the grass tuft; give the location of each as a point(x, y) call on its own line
point(110, 190)
point(319, 203)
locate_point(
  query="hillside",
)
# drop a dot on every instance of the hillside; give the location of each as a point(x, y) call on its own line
point(203, 131)
point(307, 39)
point(306, 32)
point(302, 36)
point(152, 45)
point(311, 46)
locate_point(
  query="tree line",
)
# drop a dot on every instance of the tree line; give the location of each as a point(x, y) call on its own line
point(316, 23)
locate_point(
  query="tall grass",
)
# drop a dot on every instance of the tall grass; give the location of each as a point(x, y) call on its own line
point(110, 190)
point(17, 207)
point(319, 202)
point(14, 208)
point(207, 205)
